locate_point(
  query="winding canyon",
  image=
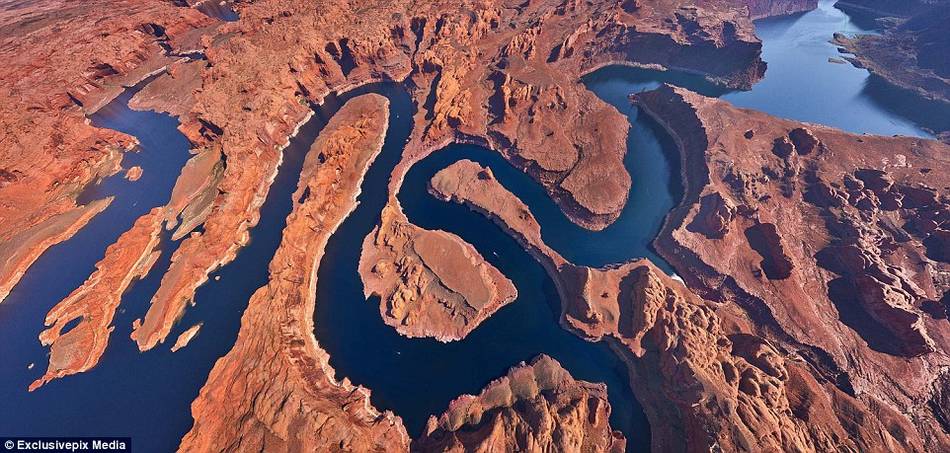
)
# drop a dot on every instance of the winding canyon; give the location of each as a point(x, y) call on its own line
point(544, 225)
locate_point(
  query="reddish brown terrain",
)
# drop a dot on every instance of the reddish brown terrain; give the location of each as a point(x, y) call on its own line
point(536, 407)
point(813, 316)
point(502, 89)
point(275, 390)
point(728, 385)
point(831, 245)
point(185, 338)
point(430, 283)
point(94, 303)
point(62, 62)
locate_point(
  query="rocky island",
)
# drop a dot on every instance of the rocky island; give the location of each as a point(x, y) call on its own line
point(797, 300)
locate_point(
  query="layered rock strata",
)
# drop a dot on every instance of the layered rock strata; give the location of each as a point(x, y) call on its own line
point(24, 247)
point(92, 306)
point(828, 243)
point(62, 62)
point(172, 91)
point(536, 407)
point(430, 283)
point(274, 390)
point(704, 377)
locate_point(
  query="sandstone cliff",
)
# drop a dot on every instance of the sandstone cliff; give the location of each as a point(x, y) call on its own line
point(704, 377)
point(274, 391)
point(829, 244)
point(536, 407)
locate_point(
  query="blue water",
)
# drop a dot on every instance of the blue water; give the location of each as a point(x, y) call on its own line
point(143, 395)
point(148, 396)
point(801, 84)
point(419, 377)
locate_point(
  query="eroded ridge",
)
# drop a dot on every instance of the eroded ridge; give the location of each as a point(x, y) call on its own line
point(703, 374)
point(536, 407)
point(274, 390)
point(430, 283)
point(94, 303)
point(831, 244)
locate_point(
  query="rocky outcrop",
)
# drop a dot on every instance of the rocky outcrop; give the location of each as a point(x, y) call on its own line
point(430, 283)
point(133, 173)
point(838, 272)
point(186, 337)
point(274, 390)
point(22, 248)
point(172, 91)
point(705, 382)
point(536, 407)
point(194, 192)
point(79, 325)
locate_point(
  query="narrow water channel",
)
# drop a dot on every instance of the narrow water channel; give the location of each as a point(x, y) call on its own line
point(419, 377)
point(148, 396)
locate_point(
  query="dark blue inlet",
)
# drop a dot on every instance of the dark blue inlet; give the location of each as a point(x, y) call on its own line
point(419, 377)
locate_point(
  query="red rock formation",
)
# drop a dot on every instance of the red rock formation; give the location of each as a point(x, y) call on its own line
point(483, 71)
point(62, 60)
point(186, 337)
point(173, 91)
point(194, 193)
point(830, 253)
point(430, 283)
point(94, 303)
point(704, 382)
point(536, 407)
point(274, 390)
point(22, 248)
point(133, 173)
